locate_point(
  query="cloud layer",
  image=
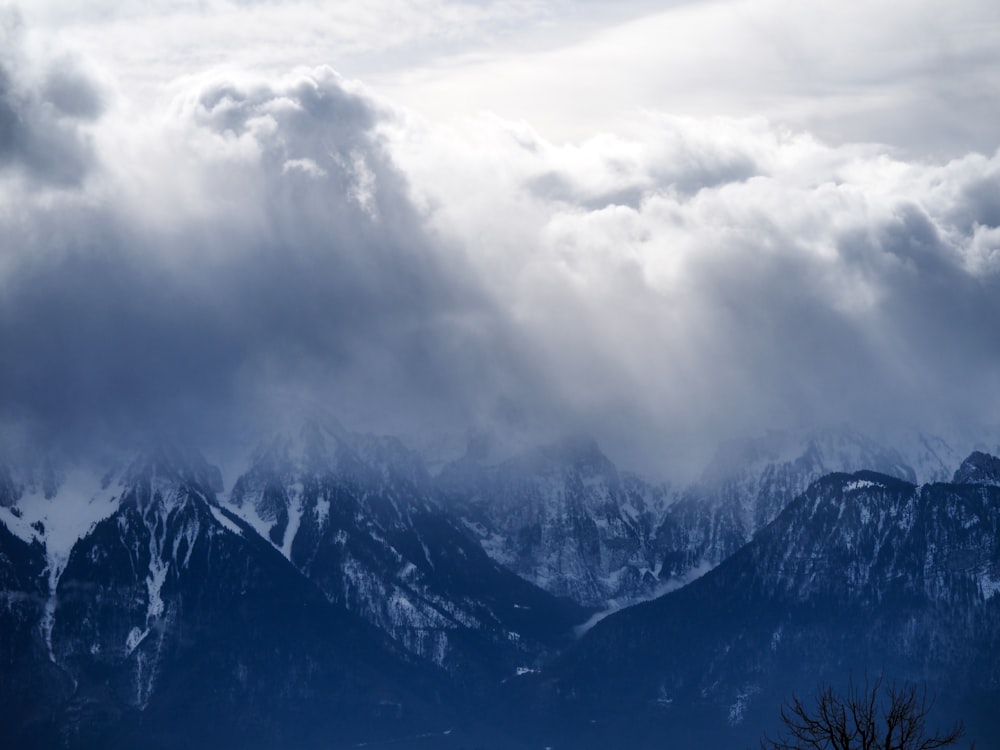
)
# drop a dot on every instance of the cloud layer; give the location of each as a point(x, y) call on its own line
point(264, 242)
point(712, 276)
point(911, 73)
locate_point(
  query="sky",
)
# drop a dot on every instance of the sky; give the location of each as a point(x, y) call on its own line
point(664, 224)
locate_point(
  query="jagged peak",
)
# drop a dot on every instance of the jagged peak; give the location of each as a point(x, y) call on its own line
point(979, 468)
point(296, 444)
point(321, 447)
point(310, 448)
point(171, 465)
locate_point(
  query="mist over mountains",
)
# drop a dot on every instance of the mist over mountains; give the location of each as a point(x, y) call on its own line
point(336, 593)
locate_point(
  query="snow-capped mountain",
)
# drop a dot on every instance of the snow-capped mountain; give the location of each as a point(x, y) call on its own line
point(359, 516)
point(339, 594)
point(863, 571)
point(52, 504)
point(174, 624)
point(564, 517)
point(749, 482)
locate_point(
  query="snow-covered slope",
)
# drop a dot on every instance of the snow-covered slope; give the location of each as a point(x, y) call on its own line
point(174, 624)
point(358, 515)
point(55, 508)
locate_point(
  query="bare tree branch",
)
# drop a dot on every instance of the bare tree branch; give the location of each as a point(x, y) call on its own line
point(872, 716)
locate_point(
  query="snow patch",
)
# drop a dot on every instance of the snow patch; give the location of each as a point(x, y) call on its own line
point(147, 665)
point(739, 706)
point(663, 588)
point(248, 515)
point(154, 585)
point(989, 585)
point(861, 484)
point(427, 553)
point(322, 511)
point(135, 637)
point(84, 498)
point(294, 518)
point(225, 521)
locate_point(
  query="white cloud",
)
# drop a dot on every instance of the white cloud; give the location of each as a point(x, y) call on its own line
point(914, 74)
point(150, 44)
point(700, 276)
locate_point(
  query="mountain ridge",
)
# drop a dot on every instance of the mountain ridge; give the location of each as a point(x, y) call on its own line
point(337, 577)
point(862, 572)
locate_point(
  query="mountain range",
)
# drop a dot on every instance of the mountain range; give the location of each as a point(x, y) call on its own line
point(336, 593)
point(863, 573)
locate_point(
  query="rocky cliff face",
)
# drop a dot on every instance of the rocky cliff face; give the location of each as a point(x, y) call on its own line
point(564, 517)
point(359, 516)
point(979, 468)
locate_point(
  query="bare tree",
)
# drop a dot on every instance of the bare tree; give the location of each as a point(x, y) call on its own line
point(875, 716)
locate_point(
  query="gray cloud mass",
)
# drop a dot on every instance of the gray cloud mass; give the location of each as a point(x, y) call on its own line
point(268, 242)
point(311, 272)
point(40, 133)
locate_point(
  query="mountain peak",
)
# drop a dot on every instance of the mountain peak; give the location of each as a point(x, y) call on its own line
point(979, 468)
point(175, 464)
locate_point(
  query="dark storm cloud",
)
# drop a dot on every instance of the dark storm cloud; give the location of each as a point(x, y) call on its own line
point(41, 113)
point(306, 271)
